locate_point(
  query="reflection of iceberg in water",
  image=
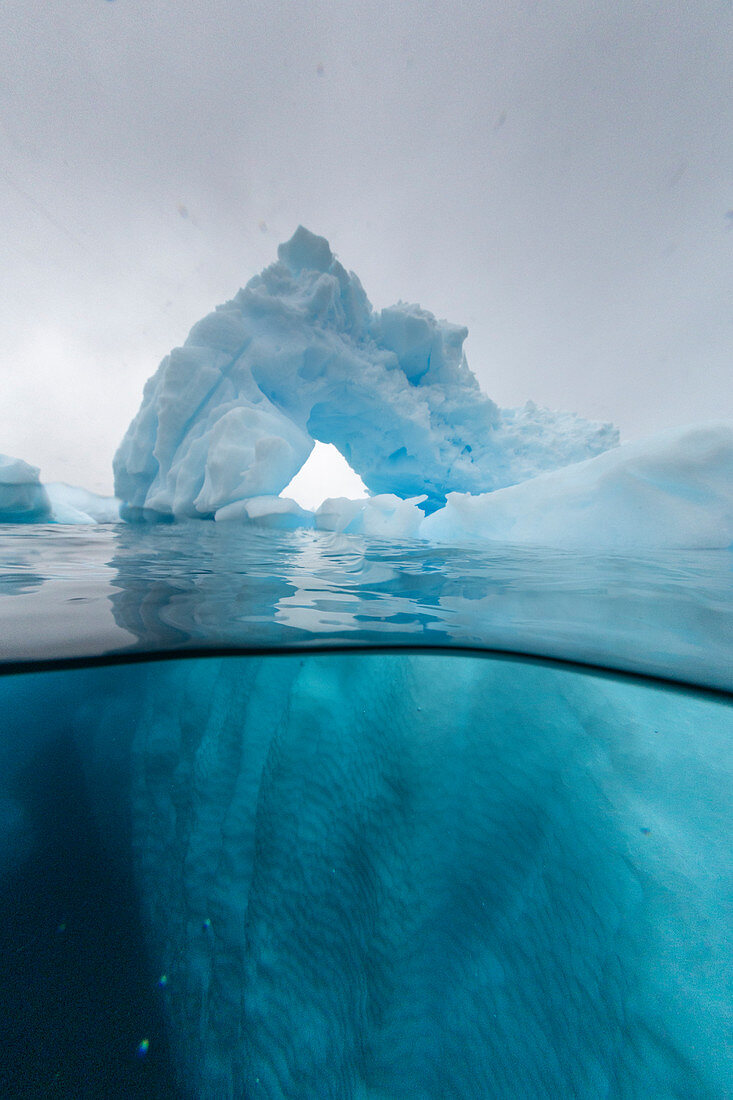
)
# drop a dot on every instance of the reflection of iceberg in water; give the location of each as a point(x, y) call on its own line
point(19, 584)
point(60, 580)
point(401, 875)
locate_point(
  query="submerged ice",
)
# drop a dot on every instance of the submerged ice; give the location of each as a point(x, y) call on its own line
point(410, 875)
point(299, 355)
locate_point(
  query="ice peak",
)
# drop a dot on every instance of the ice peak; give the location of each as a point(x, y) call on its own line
point(305, 251)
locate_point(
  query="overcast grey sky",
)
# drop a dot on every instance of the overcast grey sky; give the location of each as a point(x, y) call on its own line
point(557, 176)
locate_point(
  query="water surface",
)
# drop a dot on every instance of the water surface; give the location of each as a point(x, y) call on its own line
point(296, 815)
point(69, 592)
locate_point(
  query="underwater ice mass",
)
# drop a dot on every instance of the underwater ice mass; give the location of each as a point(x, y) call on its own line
point(372, 876)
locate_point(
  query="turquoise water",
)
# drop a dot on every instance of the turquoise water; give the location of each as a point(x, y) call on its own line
point(302, 872)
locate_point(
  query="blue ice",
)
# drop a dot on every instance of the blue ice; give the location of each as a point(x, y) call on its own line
point(399, 876)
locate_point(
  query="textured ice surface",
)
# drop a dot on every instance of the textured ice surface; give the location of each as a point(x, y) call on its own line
point(22, 497)
point(298, 355)
point(398, 876)
point(674, 490)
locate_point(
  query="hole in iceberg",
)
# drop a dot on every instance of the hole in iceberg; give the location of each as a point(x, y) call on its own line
point(325, 474)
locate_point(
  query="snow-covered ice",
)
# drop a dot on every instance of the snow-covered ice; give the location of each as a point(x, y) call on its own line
point(672, 491)
point(299, 355)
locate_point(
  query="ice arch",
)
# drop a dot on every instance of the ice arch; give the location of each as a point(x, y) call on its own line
point(299, 355)
point(326, 473)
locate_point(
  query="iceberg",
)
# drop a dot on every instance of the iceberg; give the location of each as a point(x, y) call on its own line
point(673, 491)
point(22, 497)
point(299, 355)
point(299, 358)
point(25, 499)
